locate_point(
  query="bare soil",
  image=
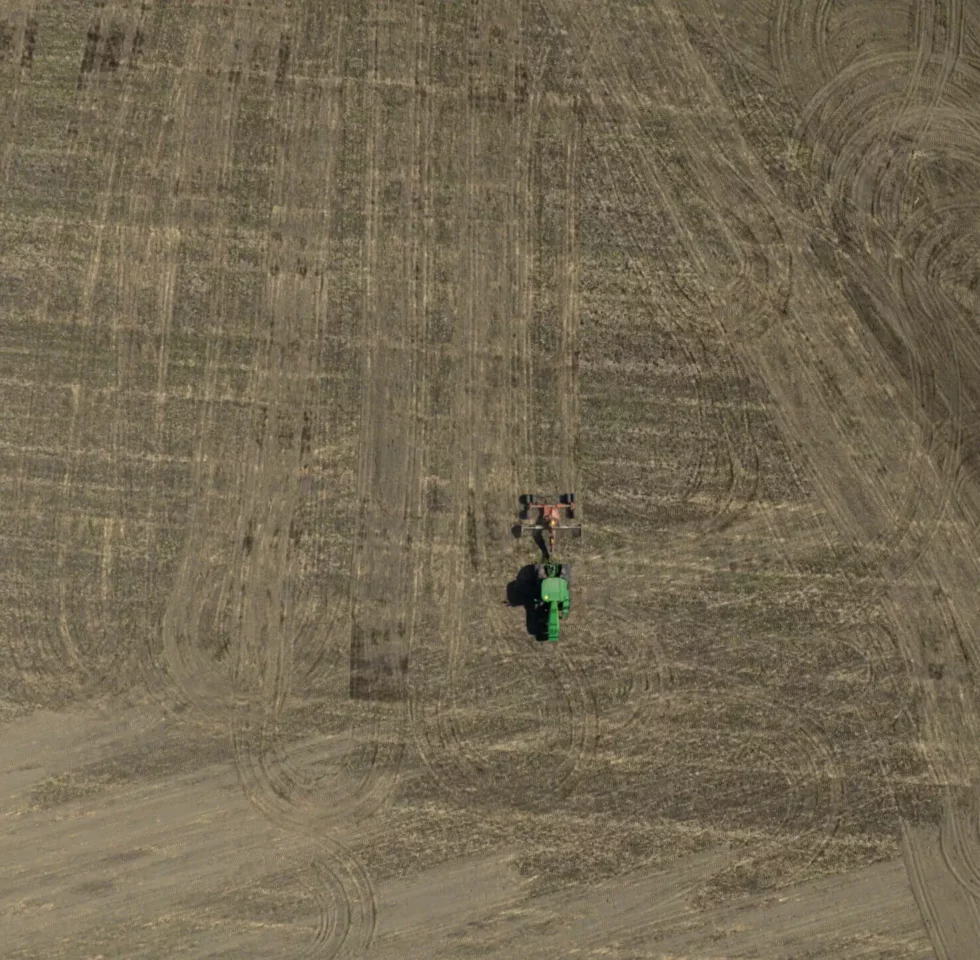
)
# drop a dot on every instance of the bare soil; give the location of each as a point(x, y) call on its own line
point(296, 299)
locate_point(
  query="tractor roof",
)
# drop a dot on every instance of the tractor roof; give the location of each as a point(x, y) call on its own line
point(554, 589)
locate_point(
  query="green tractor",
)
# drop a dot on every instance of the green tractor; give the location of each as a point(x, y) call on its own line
point(545, 518)
point(554, 600)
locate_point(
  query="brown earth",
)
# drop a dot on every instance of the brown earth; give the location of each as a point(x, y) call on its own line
point(297, 298)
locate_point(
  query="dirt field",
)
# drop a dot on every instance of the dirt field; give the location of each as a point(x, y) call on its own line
point(297, 297)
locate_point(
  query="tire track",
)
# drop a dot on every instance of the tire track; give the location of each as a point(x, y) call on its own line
point(528, 92)
point(888, 134)
point(846, 130)
point(285, 772)
point(634, 668)
point(329, 426)
point(859, 661)
point(467, 757)
point(914, 859)
point(570, 688)
point(800, 47)
point(952, 15)
point(201, 657)
point(950, 915)
point(578, 691)
point(129, 241)
point(283, 372)
point(616, 108)
point(821, 29)
point(959, 840)
point(381, 594)
point(284, 400)
point(433, 707)
point(440, 735)
point(760, 236)
point(281, 771)
point(163, 248)
point(18, 35)
point(873, 213)
point(798, 44)
point(697, 467)
point(734, 474)
point(389, 478)
point(568, 373)
point(71, 646)
point(345, 900)
point(746, 217)
point(936, 628)
point(94, 660)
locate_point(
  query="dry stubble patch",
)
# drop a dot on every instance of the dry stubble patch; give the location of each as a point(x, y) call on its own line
point(765, 234)
point(884, 499)
point(889, 137)
point(250, 569)
point(628, 666)
point(745, 222)
point(949, 908)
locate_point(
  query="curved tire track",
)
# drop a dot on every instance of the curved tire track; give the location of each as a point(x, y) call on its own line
point(875, 211)
point(959, 839)
point(635, 669)
point(344, 898)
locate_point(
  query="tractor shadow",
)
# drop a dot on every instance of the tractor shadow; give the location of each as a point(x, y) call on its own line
point(522, 591)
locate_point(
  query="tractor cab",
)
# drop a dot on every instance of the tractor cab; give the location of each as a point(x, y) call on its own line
point(555, 601)
point(554, 590)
